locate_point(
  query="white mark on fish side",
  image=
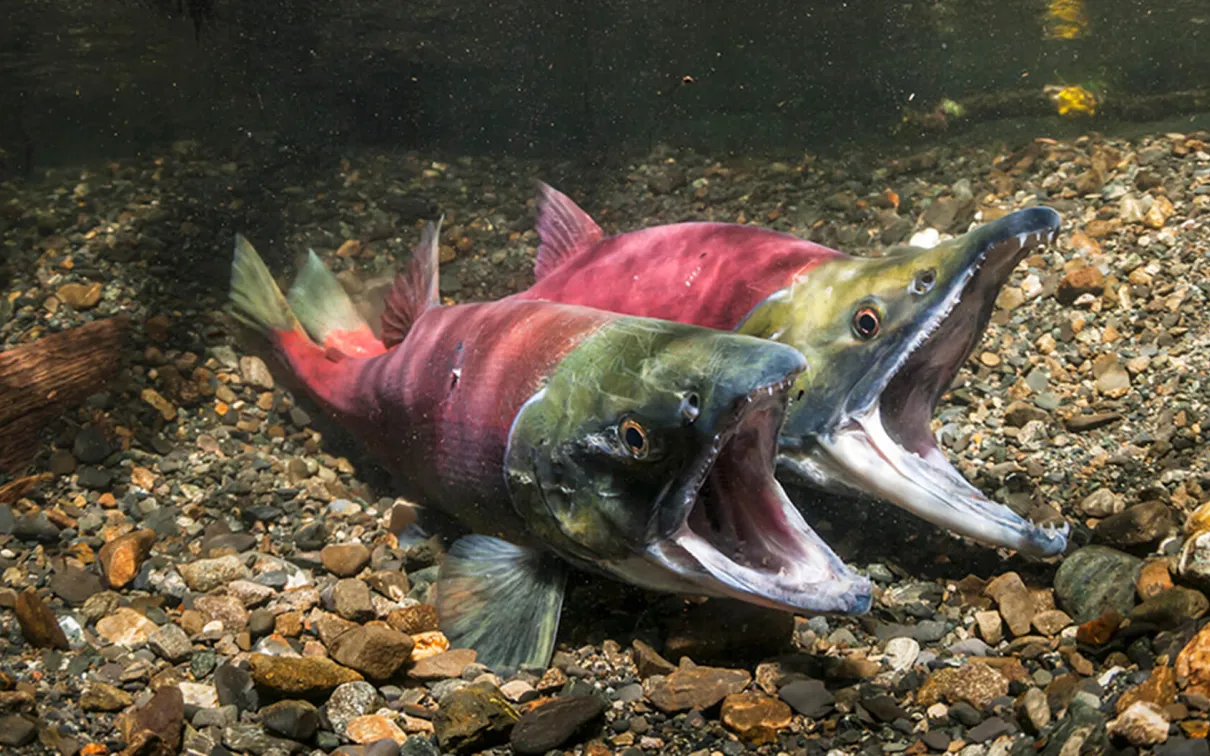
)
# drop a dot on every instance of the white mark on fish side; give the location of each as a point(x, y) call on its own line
point(692, 276)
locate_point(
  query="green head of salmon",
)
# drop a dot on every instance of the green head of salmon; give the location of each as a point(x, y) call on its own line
point(649, 454)
point(884, 338)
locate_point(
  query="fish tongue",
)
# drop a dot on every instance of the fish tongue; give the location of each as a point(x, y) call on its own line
point(502, 600)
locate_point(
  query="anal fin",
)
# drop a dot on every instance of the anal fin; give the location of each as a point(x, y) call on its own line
point(502, 600)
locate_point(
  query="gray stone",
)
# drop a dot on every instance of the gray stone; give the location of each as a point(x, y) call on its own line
point(249, 738)
point(989, 729)
point(17, 730)
point(296, 720)
point(90, 446)
point(352, 600)
point(808, 697)
point(1096, 579)
point(171, 643)
point(235, 687)
point(555, 724)
point(349, 701)
point(205, 575)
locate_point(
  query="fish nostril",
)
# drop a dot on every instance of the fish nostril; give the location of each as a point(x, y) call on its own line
point(924, 281)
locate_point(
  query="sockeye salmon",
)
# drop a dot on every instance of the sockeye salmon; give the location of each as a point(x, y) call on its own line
point(883, 339)
point(560, 436)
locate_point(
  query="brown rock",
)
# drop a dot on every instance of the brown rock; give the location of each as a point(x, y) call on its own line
point(1193, 663)
point(694, 687)
point(377, 652)
point(288, 624)
point(122, 557)
point(1099, 631)
point(556, 724)
point(1099, 229)
point(155, 729)
point(104, 697)
point(1051, 622)
point(474, 718)
point(1086, 280)
point(390, 583)
point(418, 618)
point(126, 627)
point(1143, 724)
point(166, 408)
point(1009, 666)
point(330, 627)
point(552, 679)
point(990, 626)
point(344, 559)
point(205, 575)
point(974, 683)
point(755, 717)
point(226, 609)
point(1014, 601)
point(1060, 690)
point(1199, 520)
point(1154, 579)
point(649, 662)
point(16, 700)
point(1142, 523)
point(80, 296)
point(429, 644)
point(254, 371)
point(1159, 688)
point(299, 676)
point(444, 666)
point(1161, 210)
point(38, 623)
point(372, 727)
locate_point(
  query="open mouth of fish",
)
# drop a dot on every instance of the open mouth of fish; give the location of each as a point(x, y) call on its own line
point(887, 444)
point(742, 537)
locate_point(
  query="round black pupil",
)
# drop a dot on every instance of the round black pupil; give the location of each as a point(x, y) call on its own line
point(693, 400)
point(634, 437)
point(867, 323)
point(927, 277)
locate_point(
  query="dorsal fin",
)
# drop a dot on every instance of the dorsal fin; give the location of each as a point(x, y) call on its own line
point(563, 228)
point(415, 287)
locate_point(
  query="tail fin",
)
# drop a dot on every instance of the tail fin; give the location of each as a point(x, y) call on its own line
point(328, 314)
point(415, 288)
point(257, 301)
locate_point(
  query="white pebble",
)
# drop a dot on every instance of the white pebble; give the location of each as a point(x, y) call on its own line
point(901, 653)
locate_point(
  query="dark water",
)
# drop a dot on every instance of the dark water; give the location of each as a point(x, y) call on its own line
point(95, 79)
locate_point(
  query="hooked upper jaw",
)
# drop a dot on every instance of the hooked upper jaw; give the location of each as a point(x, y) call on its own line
point(883, 444)
point(740, 536)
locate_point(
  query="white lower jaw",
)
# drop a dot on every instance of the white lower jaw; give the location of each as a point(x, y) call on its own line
point(863, 456)
point(804, 576)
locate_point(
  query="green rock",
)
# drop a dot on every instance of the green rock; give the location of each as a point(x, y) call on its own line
point(1096, 579)
point(474, 718)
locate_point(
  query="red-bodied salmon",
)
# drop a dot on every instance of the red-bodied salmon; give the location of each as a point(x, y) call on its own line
point(560, 436)
point(883, 337)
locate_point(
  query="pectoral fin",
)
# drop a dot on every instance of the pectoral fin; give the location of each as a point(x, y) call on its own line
point(502, 600)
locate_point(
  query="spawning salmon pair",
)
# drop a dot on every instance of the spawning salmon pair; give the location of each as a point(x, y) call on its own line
point(627, 414)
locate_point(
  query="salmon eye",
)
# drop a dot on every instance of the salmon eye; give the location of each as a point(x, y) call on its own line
point(634, 437)
point(923, 282)
point(866, 323)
